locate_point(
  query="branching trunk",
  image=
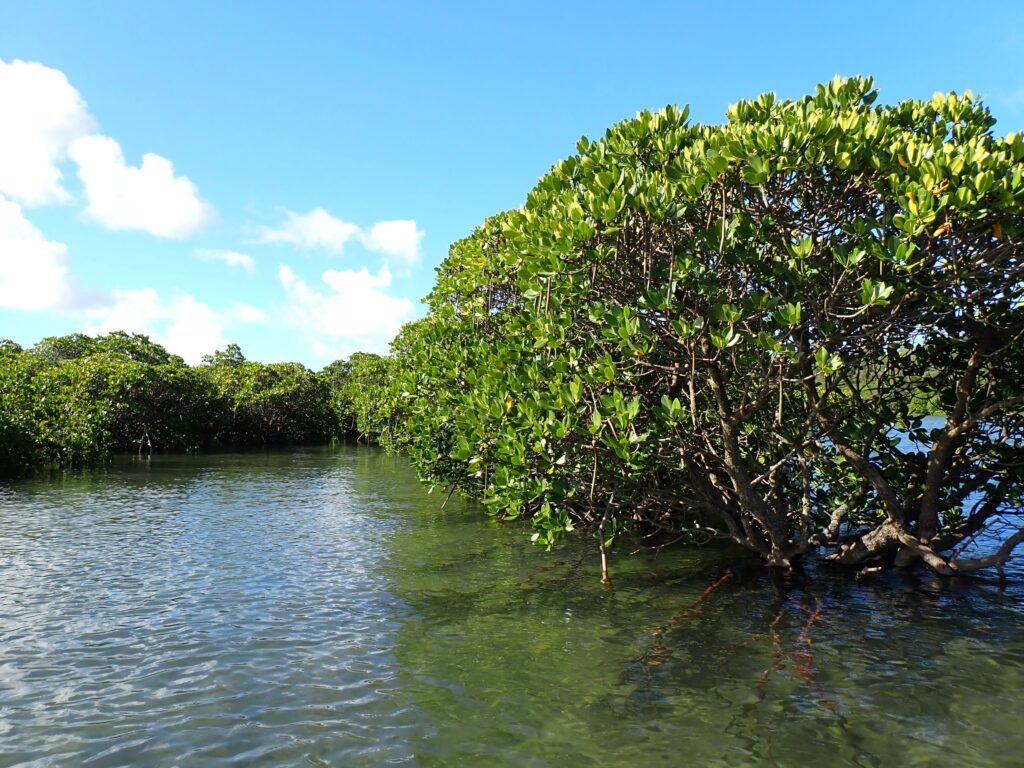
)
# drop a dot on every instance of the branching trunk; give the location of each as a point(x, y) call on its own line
point(996, 560)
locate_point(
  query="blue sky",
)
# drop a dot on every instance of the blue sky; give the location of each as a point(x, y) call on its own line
point(288, 176)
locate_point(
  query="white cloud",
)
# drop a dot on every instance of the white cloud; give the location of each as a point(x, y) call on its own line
point(44, 120)
point(40, 115)
point(398, 239)
point(183, 324)
point(246, 313)
point(135, 311)
point(231, 258)
point(356, 314)
point(148, 197)
point(316, 229)
point(194, 329)
point(34, 271)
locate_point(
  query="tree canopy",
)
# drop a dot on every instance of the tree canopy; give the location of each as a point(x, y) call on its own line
point(74, 400)
point(692, 331)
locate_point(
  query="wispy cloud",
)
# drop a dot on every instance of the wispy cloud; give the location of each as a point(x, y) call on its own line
point(316, 229)
point(398, 239)
point(231, 258)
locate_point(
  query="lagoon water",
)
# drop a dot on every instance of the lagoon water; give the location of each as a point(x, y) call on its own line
point(316, 608)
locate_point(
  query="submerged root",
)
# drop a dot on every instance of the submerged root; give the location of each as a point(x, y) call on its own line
point(656, 649)
point(778, 659)
point(804, 658)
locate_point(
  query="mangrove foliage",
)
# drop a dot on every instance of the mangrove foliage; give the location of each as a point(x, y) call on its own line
point(693, 331)
point(75, 400)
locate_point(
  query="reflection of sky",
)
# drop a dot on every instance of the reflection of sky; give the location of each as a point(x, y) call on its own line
point(236, 592)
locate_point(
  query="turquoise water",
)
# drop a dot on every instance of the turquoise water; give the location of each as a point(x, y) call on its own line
point(317, 608)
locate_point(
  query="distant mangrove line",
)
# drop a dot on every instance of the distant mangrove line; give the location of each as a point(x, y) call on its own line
point(76, 400)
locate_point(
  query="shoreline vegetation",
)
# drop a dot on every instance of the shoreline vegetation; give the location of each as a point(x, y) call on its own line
point(687, 332)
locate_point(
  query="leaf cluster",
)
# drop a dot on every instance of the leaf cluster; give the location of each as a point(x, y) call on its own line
point(694, 330)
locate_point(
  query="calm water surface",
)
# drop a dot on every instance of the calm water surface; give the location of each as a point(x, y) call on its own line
point(316, 608)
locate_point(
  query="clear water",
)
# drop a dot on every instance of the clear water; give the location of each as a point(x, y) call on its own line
point(317, 608)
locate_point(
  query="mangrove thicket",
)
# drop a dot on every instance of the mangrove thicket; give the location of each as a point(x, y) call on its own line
point(686, 332)
point(75, 400)
point(693, 331)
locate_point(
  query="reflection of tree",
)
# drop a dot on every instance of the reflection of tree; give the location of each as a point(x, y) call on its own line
point(507, 657)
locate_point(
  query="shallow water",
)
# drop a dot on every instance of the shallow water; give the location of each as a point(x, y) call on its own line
point(317, 608)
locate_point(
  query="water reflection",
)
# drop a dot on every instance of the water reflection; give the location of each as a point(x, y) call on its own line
point(224, 612)
point(317, 607)
point(694, 660)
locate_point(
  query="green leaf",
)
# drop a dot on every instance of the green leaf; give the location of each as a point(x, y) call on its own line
point(757, 170)
point(827, 363)
point(723, 338)
point(874, 293)
point(768, 342)
point(789, 314)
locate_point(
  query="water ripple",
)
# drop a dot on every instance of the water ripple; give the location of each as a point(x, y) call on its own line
point(230, 616)
point(317, 608)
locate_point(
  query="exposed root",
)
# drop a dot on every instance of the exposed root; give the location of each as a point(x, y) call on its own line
point(890, 545)
point(867, 571)
point(997, 560)
point(448, 498)
point(605, 578)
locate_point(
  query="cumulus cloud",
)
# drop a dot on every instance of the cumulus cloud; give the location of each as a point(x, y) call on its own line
point(398, 239)
point(134, 311)
point(34, 271)
point(357, 313)
point(183, 324)
point(147, 197)
point(193, 330)
point(45, 120)
point(41, 115)
point(231, 258)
